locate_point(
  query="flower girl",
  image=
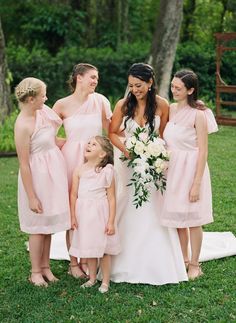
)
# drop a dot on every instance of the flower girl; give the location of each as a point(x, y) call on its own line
point(93, 208)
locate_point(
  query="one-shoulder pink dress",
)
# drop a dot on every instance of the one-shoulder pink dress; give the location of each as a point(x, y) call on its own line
point(92, 212)
point(49, 179)
point(181, 138)
point(85, 123)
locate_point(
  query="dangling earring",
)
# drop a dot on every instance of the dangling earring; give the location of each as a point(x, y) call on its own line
point(149, 89)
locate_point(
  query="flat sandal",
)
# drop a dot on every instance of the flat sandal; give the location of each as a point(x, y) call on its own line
point(198, 267)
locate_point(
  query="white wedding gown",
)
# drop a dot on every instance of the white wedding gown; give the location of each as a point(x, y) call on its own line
point(151, 254)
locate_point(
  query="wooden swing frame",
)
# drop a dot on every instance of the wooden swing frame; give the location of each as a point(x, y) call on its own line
point(221, 86)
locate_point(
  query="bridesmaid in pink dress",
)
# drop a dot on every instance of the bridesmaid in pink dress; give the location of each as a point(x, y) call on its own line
point(85, 114)
point(188, 197)
point(43, 201)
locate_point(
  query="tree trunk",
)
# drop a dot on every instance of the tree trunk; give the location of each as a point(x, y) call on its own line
point(165, 41)
point(5, 101)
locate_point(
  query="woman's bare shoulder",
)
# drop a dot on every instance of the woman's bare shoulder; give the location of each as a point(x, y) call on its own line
point(119, 105)
point(24, 125)
point(162, 101)
point(61, 105)
point(63, 102)
point(162, 105)
point(121, 102)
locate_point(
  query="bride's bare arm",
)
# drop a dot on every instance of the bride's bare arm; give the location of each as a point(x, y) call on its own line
point(114, 129)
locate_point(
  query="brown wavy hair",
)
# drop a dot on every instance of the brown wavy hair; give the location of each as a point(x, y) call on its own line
point(144, 72)
point(190, 80)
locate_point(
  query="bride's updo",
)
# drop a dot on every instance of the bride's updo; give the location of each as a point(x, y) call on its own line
point(145, 73)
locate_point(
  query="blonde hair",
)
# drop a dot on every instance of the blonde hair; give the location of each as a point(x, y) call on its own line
point(79, 69)
point(29, 86)
point(108, 149)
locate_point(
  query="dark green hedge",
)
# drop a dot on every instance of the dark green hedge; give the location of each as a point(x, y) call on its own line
point(113, 66)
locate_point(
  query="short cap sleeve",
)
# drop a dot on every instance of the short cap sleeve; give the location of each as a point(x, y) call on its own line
point(211, 122)
point(108, 174)
point(106, 107)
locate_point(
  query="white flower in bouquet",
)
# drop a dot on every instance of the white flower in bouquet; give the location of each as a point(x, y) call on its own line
point(146, 154)
point(139, 148)
point(159, 141)
point(140, 169)
point(159, 165)
point(131, 141)
point(143, 136)
point(165, 153)
point(141, 166)
point(154, 149)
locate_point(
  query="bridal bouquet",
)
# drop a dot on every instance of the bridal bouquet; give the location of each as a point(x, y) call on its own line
point(148, 158)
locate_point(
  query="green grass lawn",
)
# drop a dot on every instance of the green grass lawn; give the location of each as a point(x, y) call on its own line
point(209, 299)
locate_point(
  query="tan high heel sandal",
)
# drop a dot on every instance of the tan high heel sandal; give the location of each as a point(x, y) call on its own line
point(42, 283)
point(186, 262)
point(82, 275)
point(52, 280)
point(198, 273)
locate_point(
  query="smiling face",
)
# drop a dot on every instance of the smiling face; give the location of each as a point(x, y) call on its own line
point(94, 150)
point(39, 100)
point(179, 91)
point(138, 87)
point(88, 81)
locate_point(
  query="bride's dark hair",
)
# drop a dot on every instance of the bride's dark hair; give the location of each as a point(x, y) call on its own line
point(143, 72)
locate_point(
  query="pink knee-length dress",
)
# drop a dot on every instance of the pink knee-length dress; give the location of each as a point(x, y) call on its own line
point(92, 212)
point(85, 123)
point(49, 179)
point(181, 138)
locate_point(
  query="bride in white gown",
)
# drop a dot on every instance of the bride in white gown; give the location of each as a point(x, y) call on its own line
point(151, 254)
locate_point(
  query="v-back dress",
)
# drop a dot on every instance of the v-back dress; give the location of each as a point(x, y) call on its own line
point(85, 123)
point(150, 253)
point(92, 211)
point(181, 138)
point(49, 176)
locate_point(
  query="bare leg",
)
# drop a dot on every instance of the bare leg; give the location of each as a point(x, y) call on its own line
point(184, 240)
point(196, 243)
point(92, 266)
point(46, 271)
point(36, 242)
point(106, 269)
point(74, 269)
